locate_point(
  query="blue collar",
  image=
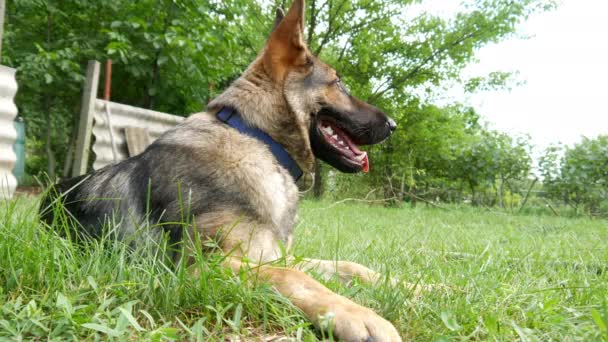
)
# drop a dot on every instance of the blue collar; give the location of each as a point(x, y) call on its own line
point(233, 119)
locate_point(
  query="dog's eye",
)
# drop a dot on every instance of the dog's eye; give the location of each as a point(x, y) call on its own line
point(341, 86)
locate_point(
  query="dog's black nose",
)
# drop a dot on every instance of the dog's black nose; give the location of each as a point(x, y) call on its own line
point(391, 124)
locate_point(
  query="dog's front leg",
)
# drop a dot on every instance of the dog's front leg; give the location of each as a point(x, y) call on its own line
point(257, 243)
point(327, 310)
point(347, 271)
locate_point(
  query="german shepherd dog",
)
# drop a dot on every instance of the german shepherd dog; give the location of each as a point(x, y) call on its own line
point(238, 191)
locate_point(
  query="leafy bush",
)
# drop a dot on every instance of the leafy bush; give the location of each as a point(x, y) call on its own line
point(579, 178)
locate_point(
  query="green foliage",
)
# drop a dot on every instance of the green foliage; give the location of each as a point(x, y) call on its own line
point(493, 81)
point(491, 158)
point(173, 56)
point(445, 153)
point(580, 176)
point(167, 55)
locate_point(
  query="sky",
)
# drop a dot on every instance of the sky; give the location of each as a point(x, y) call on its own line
point(564, 67)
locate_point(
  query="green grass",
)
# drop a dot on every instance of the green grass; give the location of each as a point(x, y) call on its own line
point(512, 277)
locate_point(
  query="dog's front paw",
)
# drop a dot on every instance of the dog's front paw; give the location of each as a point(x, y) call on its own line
point(353, 323)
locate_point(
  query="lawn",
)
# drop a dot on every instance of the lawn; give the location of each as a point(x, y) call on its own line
point(511, 277)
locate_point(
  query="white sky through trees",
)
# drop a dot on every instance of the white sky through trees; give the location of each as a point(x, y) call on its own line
point(564, 65)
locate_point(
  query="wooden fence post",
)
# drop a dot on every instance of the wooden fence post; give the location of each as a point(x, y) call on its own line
point(85, 125)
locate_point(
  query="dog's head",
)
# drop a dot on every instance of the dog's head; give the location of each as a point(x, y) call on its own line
point(314, 114)
point(338, 122)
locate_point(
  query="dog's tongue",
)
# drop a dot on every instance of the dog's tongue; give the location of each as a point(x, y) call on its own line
point(353, 147)
point(365, 162)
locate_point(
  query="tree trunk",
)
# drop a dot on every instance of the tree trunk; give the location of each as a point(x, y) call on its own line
point(150, 101)
point(313, 21)
point(318, 188)
point(2, 7)
point(392, 199)
point(48, 104)
point(151, 98)
point(512, 192)
point(413, 197)
point(473, 201)
point(69, 156)
point(523, 204)
point(51, 163)
point(500, 193)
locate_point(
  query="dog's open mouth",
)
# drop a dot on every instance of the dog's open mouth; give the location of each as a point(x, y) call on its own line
point(343, 144)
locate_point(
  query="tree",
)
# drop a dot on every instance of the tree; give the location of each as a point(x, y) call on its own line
point(429, 143)
point(549, 168)
point(167, 56)
point(173, 55)
point(513, 161)
point(582, 180)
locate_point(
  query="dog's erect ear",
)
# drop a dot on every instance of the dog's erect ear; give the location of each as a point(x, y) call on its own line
point(286, 47)
point(298, 15)
point(279, 15)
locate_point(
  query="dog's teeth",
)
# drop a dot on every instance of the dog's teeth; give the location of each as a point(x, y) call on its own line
point(335, 136)
point(328, 130)
point(360, 157)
